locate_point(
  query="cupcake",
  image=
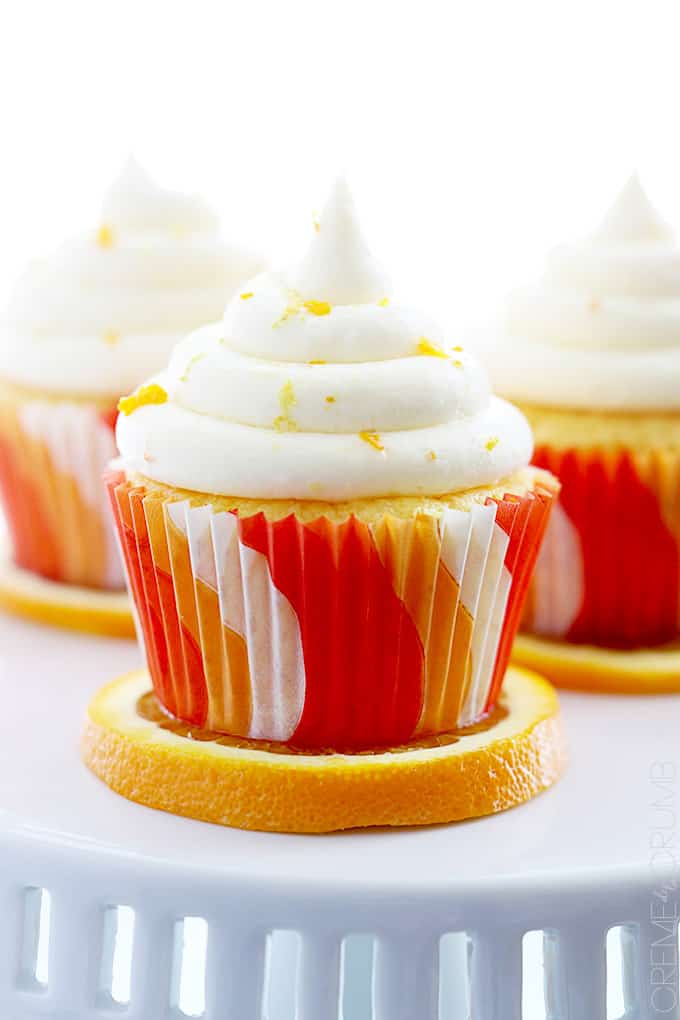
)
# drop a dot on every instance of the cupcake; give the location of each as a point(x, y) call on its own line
point(328, 521)
point(592, 356)
point(84, 326)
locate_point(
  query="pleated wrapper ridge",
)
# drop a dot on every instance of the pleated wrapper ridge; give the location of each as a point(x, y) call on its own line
point(323, 634)
point(52, 455)
point(609, 570)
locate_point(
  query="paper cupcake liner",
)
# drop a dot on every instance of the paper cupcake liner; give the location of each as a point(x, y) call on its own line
point(52, 455)
point(609, 570)
point(323, 634)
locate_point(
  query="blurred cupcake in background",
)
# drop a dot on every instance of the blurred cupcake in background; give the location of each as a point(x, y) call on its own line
point(85, 325)
point(329, 522)
point(592, 356)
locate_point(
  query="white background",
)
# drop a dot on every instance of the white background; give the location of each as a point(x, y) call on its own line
point(475, 134)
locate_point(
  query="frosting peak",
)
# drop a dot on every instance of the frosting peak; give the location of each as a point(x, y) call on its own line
point(601, 329)
point(135, 203)
point(317, 388)
point(104, 311)
point(632, 219)
point(338, 266)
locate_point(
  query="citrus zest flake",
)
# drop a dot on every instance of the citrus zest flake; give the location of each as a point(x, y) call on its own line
point(373, 439)
point(149, 394)
point(317, 307)
point(284, 422)
point(426, 347)
point(294, 307)
point(190, 364)
point(248, 294)
point(105, 236)
point(492, 443)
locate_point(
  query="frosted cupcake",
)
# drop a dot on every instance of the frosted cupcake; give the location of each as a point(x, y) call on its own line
point(85, 325)
point(592, 355)
point(329, 522)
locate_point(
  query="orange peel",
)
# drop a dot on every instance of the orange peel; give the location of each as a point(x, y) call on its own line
point(148, 758)
point(90, 610)
point(151, 393)
point(601, 670)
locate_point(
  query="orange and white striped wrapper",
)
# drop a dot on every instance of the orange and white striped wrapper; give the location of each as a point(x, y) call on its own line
point(52, 455)
point(321, 634)
point(609, 570)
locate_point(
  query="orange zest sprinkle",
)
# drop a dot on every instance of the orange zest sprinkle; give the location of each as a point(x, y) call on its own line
point(190, 364)
point(105, 236)
point(457, 364)
point(248, 294)
point(317, 307)
point(384, 302)
point(284, 422)
point(111, 337)
point(293, 307)
point(426, 346)
point(373, 439)
point(431, 455)
point(317, 361)
point(330, 400)
point(152, 393)
point(492, 443)
point(457, 349)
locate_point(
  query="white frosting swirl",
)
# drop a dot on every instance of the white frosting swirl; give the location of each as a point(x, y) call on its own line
point(105, 310)
point(602, 328)
point(317, 386)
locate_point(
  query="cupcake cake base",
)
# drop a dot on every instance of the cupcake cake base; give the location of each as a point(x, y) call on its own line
point(144, 755)
point(602, 670)
point(90, 610)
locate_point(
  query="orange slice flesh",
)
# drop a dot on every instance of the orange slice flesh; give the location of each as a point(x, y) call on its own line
point(238, 783)
point(64, 605)
point(601, 670)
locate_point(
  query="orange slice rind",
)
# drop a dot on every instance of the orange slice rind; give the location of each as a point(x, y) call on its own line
point(90, 610)
point(601, 670)
point(485, 770)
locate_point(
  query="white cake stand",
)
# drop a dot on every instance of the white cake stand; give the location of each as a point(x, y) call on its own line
point(305, 924)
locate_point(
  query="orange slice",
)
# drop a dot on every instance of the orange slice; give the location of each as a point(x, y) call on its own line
point(602, 670)
point(143, 755)
point(64, 605)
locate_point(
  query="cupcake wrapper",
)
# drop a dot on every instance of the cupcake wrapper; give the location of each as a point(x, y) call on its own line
point(609, 570)
point(52, 455)
point(324, 634)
